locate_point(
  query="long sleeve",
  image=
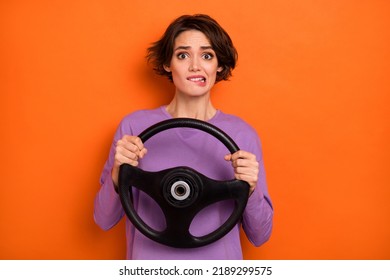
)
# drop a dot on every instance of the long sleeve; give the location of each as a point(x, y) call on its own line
point(258, 214)
point(108, 210)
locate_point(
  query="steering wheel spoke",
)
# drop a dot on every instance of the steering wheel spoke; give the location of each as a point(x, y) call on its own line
point(148, 182)
point(215, 191)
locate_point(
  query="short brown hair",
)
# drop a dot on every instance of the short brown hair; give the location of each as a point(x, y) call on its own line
point(160, 53)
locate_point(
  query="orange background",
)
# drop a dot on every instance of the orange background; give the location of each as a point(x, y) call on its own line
point(312, 78)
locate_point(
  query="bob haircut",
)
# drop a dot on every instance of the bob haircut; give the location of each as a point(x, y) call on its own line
point(160, 53)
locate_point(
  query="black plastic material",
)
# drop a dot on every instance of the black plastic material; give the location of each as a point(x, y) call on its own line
point(203, 192)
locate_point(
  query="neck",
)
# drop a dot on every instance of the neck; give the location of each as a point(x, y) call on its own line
point(191, 107)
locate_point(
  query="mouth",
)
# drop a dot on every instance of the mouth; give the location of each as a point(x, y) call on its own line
point(197, 79)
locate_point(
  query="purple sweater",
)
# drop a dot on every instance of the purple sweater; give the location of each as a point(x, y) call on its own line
point(202, 152)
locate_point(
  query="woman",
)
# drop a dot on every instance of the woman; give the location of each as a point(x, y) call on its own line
point(194, 53)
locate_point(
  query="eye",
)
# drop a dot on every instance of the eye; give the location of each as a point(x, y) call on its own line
point(182, 55)
point(208, 56)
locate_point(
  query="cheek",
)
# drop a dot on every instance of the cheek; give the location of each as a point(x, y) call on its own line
point(177, 79)
point(212, 73)
point(176, 75)
point(212, 69)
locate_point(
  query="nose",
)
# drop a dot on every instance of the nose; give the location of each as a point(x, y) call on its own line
point(194, 65)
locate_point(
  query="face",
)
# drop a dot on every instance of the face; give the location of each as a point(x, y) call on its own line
point(194, 64)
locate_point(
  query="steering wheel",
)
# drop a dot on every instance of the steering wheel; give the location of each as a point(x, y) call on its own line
point(182, 192)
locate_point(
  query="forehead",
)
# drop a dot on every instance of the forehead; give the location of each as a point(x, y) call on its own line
point(192, 38)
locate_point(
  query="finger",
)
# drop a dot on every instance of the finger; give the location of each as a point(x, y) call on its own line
point(250, 171)
point(142, 153)
point(121, 159)
point(252, 164)
point(243, 155)
point(126, 152)
point(131, 147)
point(135, 140)
point(249, 179)
point(138, 148)
point(130, 150)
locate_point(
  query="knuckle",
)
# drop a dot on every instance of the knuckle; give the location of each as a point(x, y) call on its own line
point(119, 143)
point(132, 156)
point(117, 153)
point(138, 142)
point(132, 148)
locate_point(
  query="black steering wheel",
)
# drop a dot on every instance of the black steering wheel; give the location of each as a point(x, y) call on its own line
point(182, 192)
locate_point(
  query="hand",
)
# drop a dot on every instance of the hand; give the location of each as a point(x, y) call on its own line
point(246, 167)
point(128, 150)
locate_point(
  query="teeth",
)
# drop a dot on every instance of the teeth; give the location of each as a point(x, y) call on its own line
point(197, 79)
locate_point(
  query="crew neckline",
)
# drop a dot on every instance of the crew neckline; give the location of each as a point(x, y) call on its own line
point(211, 120)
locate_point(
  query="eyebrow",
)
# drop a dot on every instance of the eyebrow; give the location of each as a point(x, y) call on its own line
point(188, 47)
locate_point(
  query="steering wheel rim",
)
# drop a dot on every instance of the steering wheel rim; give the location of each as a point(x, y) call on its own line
point(190, 123)
point(178, 210)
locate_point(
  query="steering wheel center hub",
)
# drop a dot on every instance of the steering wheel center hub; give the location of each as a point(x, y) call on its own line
point(180, 190)
point(181, 187)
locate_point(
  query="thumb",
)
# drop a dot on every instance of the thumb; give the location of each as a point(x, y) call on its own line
point(228, 157)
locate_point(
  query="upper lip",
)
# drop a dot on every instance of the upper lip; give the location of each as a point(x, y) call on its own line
point(196, 77)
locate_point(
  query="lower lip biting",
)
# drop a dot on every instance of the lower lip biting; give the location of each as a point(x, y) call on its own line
point(200, 82)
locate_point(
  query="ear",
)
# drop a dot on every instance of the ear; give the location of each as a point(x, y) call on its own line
point(167, 68)
point(219, 69)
